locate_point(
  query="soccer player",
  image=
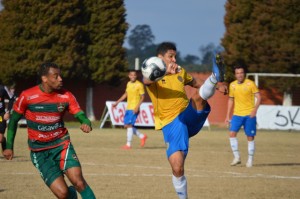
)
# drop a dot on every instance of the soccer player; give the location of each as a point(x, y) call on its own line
point(242, 95)
point(135, 96)
point(51, 150)
point(177, 116)
point(4, 112)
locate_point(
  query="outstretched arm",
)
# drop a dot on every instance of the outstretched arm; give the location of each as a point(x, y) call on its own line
point(11, 134)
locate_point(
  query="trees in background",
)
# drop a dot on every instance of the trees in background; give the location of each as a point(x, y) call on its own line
point(142, 46)
point(85, 38)
point(264, 35)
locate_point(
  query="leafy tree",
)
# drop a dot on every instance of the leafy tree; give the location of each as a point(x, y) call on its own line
point(106, 28)
point(141, 37)
point(34, 31)
point(191, 59)
point(264, 35)
point(85, 38)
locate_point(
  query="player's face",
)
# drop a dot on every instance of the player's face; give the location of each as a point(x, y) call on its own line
point(240, 75)
point(53, 79)
point(169, 57)
point(132, 76)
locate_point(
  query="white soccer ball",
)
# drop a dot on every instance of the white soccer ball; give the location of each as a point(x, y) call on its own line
point(154, 68)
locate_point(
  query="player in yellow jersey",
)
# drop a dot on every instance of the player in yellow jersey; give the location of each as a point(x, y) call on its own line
point(244, 100)
point(179, 117)
point(135, 96)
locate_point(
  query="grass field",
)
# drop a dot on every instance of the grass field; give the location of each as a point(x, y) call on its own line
point(144, 173)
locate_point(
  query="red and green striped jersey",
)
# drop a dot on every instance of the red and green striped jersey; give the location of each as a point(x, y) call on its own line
point(44, 114)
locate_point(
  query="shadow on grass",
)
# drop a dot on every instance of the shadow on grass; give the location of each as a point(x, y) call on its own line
point(277, 164)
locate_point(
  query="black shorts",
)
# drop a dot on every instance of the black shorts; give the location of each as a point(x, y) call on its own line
point(2, 123)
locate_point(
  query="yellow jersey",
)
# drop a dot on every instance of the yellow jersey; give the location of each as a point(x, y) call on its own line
point(134, 91)
point(168, 97)
point(243, 94)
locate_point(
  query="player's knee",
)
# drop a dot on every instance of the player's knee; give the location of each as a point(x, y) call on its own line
point(62, 193)
point(178, 171)
point(79, 185)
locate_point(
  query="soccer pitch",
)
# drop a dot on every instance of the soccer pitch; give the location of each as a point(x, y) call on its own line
point(144, 173)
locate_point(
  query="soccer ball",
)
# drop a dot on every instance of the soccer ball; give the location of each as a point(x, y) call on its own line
point(154, 68)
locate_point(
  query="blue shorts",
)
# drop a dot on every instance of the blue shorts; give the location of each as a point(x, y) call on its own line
point(185, 125)
point(130, 117)
point(249, 124)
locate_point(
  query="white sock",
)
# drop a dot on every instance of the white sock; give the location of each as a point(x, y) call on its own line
point(129, 136)
point(180, 185)
point(137, 133)
point(235, 147)
point(251, 150)
point(208, 88)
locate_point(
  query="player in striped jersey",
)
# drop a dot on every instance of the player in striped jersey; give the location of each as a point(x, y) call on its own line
point(51, 150)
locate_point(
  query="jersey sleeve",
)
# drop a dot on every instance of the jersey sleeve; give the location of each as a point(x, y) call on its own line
point(187, 77)
point(21, 104)
point(254, 88)
point(231, 91)
point(74, 106)
point(141, 89)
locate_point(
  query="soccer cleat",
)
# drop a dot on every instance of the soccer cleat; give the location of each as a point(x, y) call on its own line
point(126, 147)
point(143, 140)
point(236, 161)
point(249, 164)
point(218, 68)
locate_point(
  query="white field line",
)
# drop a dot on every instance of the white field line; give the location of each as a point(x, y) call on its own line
point(203, 173)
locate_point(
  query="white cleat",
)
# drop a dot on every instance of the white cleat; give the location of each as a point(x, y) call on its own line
point(236, 161)
point(249, 164)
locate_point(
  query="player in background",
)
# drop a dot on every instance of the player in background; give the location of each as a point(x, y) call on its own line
point(244, 100)
point(180, 118)
point(5, 111)
point(51, 150)
point(135, 94)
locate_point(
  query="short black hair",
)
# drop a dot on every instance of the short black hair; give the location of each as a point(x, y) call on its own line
point(132, 70)
point(44, 68)
point(239, 66)
point(164, 47)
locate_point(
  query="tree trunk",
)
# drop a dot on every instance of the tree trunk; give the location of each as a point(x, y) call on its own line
point(89, 104)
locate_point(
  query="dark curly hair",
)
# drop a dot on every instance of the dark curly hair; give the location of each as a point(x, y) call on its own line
point(44, 68)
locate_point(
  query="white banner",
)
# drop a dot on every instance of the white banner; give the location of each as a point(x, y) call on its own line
point(145, 117)
point(278, 117)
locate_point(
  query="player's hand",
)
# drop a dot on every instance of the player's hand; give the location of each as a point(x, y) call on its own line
point(85, 128)
point(8, 154)
point(253, 114)
point(227, 121)
point(223, 88)
point(173, 68)
point(136, 110)
point(114, 105)
point(6, 116)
